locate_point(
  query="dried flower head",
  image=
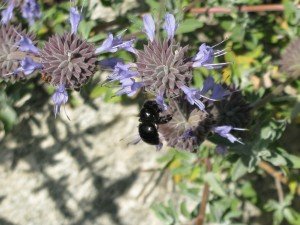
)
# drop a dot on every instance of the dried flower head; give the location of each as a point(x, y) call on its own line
point(162, 67)
point(233, 110)
point(189, 125)
point(68, 60)
point(290, 60)
point(11, 55)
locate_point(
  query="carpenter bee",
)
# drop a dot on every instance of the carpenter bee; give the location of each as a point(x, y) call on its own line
point(149, 119)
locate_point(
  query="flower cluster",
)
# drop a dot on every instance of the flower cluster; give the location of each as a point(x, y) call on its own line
point(66, 61)
point(165, 69)
point(30, 10)
point(162, 68)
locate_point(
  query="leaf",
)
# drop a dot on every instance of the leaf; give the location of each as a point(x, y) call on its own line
point(8, 117)
point(215, 184)
point(238, 170)
point(189, 25)
point(184, 211)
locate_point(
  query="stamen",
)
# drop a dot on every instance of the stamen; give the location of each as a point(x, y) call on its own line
point(226, 38)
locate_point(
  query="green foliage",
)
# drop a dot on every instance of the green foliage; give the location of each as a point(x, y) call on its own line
point(241, 191)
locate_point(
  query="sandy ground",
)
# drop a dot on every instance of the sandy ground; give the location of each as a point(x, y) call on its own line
point(77, 172)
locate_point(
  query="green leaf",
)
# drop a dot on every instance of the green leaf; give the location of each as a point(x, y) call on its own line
point(8, 116)
point(238, 170)
point(215, 184)
point(189, 25)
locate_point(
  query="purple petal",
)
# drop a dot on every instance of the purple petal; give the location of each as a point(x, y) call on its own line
point(224, 131)
point(59, 97)
point(75, 18)
point(193, 96)
point(112, 44)
point(161, 103)
point(122, 71)
point(170, 25)
point(31, 10)
point(204, 56)
point(26, 45)
point(110, 63)
point(129, 87)
point(28, 66)
point(106, 45)
point(219, 92)
point(8, 13)
point(149, 26)
point(208, 85)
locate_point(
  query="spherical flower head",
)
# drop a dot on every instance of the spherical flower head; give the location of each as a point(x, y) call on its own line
point(68, 60)
point(188, 128)
point(290, 60)
point(11, 56)
point(232, 110)
point(162, 67)
point(162, 64)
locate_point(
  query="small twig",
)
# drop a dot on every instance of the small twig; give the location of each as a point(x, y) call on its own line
point(271, 171)
point(245, 8)
point(201, 216)
point(279, 190)
point(274, 173)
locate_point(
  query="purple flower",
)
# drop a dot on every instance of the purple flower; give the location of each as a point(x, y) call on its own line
point(161, 103)
point(219, 92)
point(149, 26)
point(59, 97)
point(170, 25)
point(8, 13)
point(111, 44)
point(221, 149)
point(206, 55)
point(208, 85)
point(129, 87)
point(31, 10)
point(110, 63)
point(193, 96)
point(26, 45)
point(75, 18)
point(28, 66)
point(121, 71)
point(224, 131)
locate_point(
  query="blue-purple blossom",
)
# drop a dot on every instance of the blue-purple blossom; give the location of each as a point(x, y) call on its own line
point(224, 131)
point(28, 66)
point(206, 55)
point(219, 92)
point(31, 10)
point(111, 44)
point(161, 103)
point(129, 87)
point(75, 18)
point(110, 63)
point(26, 45)
point(149, 26)
point(193, 95)
point(59, 97)
point(122, 71)
point(8, 12)
point(208, 85)
point(170, 25)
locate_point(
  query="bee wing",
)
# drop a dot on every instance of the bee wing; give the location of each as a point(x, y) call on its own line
point(132, 140)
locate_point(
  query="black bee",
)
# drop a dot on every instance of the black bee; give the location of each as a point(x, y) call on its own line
point(149, 118)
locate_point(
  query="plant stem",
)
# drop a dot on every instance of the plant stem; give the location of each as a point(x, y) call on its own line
point(244, 8)
point(201, 216)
